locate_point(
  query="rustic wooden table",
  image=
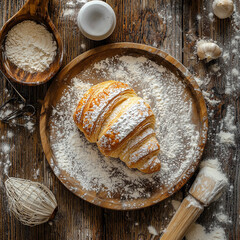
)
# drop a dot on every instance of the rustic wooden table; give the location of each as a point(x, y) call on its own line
point(173, 26)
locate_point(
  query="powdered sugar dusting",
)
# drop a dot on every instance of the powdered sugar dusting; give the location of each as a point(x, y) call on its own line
point(97, 107)
point(176, 130)
point(147, 148)
point(125, 124)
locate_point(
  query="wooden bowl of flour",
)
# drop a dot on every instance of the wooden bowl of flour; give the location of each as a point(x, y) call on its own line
point(35, 11)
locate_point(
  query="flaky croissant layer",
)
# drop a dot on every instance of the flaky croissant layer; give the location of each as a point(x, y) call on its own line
point(121, 123)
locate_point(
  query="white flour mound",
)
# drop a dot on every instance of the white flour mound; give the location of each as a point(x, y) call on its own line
point(30, 46)
point(177, 134)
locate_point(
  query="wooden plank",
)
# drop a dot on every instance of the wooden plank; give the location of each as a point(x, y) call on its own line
point(173, 26)
point(198, 24)
point(76, 219)
point(156, 23)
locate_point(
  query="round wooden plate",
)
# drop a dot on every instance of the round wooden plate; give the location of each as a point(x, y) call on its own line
point(85, 61)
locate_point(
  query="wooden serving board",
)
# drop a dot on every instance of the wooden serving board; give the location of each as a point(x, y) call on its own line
point(84, 63)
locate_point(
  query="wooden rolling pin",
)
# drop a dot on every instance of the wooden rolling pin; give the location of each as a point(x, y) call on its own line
point(205, 189)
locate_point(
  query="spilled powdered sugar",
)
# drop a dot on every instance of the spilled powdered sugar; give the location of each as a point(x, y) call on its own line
point(228, 127)
point(152, 230)
point(72, 7)
point(5, 149)
point(177, 134)
point(198, 232)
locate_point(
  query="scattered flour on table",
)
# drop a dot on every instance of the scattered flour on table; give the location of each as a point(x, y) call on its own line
point(30, 125)
point(198, 232)
point(7, 138)
point(83, 46)
point(226, 137)
point(152, 230)
point(177, 134)
point(72, 8)
point(231, 58)
point(10, 134)
point(36, 173)
point(211, 16)
point(5, 149)
point(208, 97)
point(68, 12)
point(202, 82)
point(199, 81)
point(228, 127)
point(212, 163)
point(229, 119)
point(30, 46)
point(223, 218)
point(165, 16)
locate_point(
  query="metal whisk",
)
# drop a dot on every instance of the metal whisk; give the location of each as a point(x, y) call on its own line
point(23, 110)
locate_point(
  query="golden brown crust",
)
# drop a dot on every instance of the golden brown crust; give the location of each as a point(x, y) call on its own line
point(111, 114)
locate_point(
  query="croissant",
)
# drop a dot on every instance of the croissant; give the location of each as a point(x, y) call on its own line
point(121, 123)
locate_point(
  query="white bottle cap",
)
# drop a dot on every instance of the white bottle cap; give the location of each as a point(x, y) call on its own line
point(96, 20)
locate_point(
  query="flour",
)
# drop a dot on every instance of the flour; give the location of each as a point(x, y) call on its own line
point(83, 46)
point(228, 127)
point(30, 46)
point(152, 230)
point(211, 16)
point(30, 125)
point(226, 56)
point(208, 96)
point(223, 218)
point(164, 92)
point(72, 8)
point(212, 163)
point(5, 150)
point(36, 173)
point(231, 58)
point(235, 72)
point(229, 120)
point(198, 232)
point(68, 12)
point(192, 202)
point(10, 134)
point(226, 138)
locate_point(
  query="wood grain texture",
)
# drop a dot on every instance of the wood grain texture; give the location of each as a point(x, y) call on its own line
point(169, 25)
point(36, 10)
point(72, 70)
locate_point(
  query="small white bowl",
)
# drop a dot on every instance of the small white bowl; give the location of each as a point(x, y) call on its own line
point(96, 20)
